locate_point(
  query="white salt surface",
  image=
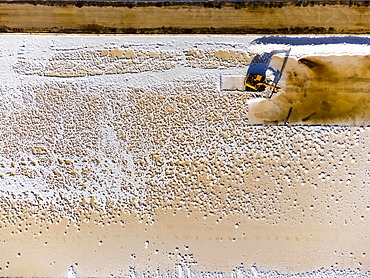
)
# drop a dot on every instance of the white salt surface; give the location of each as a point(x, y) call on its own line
point(139, 124)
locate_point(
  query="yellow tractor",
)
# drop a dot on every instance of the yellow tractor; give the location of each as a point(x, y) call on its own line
point(257, 82)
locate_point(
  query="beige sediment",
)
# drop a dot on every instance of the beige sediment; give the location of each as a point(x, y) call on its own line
point(94, 249)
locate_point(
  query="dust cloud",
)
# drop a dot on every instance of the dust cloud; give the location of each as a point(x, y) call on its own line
point(318, 90)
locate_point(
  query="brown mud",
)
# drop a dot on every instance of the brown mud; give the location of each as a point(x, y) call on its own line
point(286, 17)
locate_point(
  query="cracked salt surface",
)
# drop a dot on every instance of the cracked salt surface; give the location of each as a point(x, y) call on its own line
point(123, 151)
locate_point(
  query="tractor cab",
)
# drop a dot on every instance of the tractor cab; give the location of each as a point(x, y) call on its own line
point(256, 82)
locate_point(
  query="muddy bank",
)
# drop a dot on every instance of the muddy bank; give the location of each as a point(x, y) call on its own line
point(185, 18)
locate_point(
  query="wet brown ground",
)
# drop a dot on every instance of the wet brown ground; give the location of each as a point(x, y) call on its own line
point(274, 17)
